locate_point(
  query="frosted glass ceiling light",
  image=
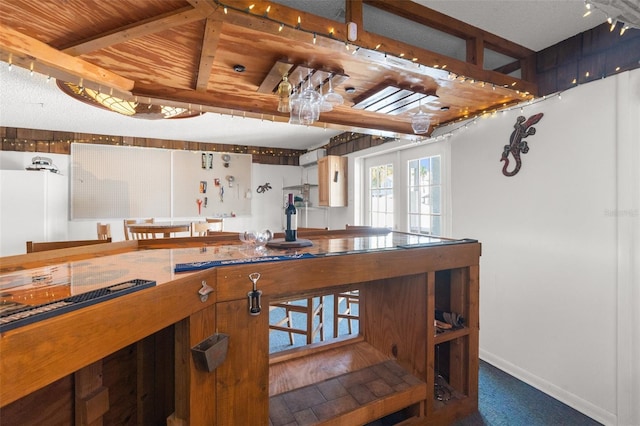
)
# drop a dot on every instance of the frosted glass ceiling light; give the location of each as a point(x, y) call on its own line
point(122, 106)
point(420, 121)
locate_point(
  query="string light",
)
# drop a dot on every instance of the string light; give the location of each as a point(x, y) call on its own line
point(331, 34)
point(612, 22)
point(480, 115)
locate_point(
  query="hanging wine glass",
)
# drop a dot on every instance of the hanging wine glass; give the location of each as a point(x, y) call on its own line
point(420, 120)
point(294, 106)
point(324, 105)
point(332, 97)
point(309, 104)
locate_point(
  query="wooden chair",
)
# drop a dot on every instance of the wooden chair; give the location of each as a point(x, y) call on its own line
point(137, 236)
point(350, 298)
point(33, 247)
point(200, 229)
point(216, 220)
point(104, 231)
point(305, 307)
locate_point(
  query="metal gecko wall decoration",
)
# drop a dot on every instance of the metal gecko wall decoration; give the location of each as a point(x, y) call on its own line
point(517, 145)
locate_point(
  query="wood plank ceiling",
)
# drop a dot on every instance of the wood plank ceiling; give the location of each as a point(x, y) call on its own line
point(183, 53)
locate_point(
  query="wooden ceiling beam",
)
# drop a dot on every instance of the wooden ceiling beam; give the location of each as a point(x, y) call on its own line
point(321, 26)
point(210, 40)
point(153, 25)
point(439, 21)
point(265, 107)
point(13, 42)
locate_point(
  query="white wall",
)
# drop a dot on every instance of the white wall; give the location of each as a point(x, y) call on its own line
point(559, 269)
point(267, 207)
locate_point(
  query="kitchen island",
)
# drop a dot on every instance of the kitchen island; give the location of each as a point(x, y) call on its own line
point(128, 359)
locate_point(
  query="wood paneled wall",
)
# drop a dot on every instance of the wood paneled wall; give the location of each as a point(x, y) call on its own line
point(32, 140)
point(588, 56)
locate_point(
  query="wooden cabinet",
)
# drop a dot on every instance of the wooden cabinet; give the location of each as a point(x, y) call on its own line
point(332, 178)
point(397, 362)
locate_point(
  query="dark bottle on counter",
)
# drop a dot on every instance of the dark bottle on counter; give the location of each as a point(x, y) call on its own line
point(290, 232)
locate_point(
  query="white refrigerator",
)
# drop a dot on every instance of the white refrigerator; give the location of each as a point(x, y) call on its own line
point(33, 207)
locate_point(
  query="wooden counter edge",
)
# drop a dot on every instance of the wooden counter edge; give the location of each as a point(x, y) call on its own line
point(82, 337)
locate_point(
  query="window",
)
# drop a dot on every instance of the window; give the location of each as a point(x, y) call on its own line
point(381, 196)
point(425, 196)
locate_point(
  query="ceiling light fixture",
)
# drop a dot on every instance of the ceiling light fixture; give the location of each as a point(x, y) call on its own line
point(420, 121)
point(122, 106)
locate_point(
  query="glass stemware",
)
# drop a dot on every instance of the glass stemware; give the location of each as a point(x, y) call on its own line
point(294, 106)
point(309, 104)
point(262, 238)
point(324, 105)
point(248, 237)
point(332, 97)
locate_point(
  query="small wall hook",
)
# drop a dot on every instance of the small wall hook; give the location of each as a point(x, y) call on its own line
point(254, 295)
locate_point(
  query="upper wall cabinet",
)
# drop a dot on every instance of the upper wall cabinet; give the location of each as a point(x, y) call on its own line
point(332, 180)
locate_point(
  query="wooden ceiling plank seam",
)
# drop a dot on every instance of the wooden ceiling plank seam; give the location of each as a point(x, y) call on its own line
point(14, 42)
point(206, 5)
point(210, 40)
point(439, 21)
point(139, 29)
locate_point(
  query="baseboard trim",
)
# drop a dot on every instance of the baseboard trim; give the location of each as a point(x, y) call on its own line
point(573, 401)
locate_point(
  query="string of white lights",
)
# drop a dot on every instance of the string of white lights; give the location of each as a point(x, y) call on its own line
point(591, 6)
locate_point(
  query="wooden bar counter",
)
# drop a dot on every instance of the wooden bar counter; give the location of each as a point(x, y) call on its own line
point(129, 360)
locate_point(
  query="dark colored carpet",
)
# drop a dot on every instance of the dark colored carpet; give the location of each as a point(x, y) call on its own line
point(506, 401)
point(503, 399)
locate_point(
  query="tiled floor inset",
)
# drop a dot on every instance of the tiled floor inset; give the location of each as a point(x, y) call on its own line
point(330, 398)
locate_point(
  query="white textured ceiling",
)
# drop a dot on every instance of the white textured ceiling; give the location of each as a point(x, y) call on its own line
point(32, 102)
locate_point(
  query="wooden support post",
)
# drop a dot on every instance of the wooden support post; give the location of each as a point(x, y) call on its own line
point(92, 399)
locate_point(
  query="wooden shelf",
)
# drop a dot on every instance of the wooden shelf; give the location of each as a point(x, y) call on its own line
point(447, 336)
point(350, 384)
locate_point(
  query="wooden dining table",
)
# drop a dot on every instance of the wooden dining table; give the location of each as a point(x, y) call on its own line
point(166, 228)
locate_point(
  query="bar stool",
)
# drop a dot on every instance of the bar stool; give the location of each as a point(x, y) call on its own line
point(350, 298)
point(305, 307)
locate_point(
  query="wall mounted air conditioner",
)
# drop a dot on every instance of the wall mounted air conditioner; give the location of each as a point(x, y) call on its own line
point(312, 157)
